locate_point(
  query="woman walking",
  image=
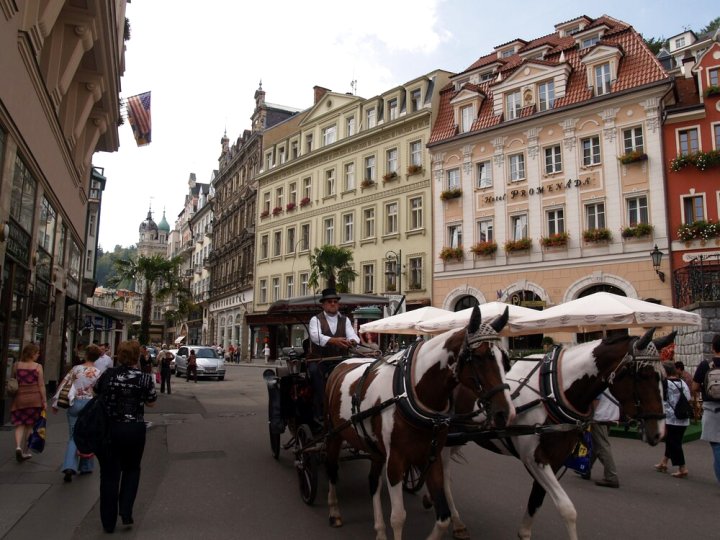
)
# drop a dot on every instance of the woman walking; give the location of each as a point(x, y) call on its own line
point(125, 390)
point(82, 378)
point(674, 426)
point(30, 399)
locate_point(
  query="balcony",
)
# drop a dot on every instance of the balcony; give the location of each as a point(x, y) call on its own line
point(699, 281)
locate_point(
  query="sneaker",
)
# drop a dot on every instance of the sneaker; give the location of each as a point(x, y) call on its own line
point(68, 475)
point(607, 483)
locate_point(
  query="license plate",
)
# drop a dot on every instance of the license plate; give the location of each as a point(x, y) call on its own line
point(210, 370)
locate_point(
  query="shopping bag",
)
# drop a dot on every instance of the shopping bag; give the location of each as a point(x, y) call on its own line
point(157, 377)
point(36, 440)
point(579, 460)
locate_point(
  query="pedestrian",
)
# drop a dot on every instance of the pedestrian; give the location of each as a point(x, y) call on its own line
point(145, 360)
point(684, 375)
point(266, 353)
point(607, 411)
point(674, 427)
point(30, 399)
point(711, 403)
point(82, 378)
point(125, 391)
point(105, 361)
point(191, 366)
point(165, 358)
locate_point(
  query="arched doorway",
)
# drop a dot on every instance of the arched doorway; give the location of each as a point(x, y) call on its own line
point(591, 336)
point(531, 300)
point(465, 302)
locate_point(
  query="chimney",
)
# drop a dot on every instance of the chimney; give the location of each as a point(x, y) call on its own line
point(319, 93)
point(688, 64)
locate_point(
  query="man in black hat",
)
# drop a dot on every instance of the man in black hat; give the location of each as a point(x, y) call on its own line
point(331, 335)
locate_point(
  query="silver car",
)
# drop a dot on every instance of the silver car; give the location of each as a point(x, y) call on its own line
point(209, 362)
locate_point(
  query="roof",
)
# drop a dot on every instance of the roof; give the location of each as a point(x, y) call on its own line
point(638, 68)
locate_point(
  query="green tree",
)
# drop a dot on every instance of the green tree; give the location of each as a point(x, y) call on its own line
point(156, 273)
point(333, 265)
point(655, 44)
point(711, 26)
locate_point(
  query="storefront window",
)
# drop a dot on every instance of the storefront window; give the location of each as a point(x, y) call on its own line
point(46, 230)
point(61, 244)
point(22, 206)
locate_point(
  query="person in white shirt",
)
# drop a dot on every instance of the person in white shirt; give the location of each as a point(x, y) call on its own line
point(606, 411)
point(104, 361)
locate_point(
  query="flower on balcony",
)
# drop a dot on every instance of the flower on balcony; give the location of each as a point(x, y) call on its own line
point(290, 206)
point(701, 160)
point(368, 182)
point(712, 90)
point(555, 240)
point(518, 245)
point(450, 253)
point(638, 231)
point(698, 230)
point(484, 248)
point(632, 157)
point(264, 213)
point(392, 175)
point(451, 194)
point(597, 235)
point(414, 169)
point(304, 201)
point(277, 211)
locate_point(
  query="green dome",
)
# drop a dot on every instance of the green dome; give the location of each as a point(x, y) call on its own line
point(163, 225)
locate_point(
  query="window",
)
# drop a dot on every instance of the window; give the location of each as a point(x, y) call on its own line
point(329, 231)
point(268, 161)
point(290, 243)
point(485, 230)
point(91, 223)
point(393, 109)
point(391, 213)
point(289, 286)
point(368, 276)
point(292, 192)
point(512, 105)
point(637, 210)
point(308, 143)
point(416, 213)
point(304, 278)
point(517, 167)
point(484, 174)
point(266, 202)
point(589, 42)
point(415, 100)
point(453, 179)
point(716, 136)
point(263, 291)
point(391, 275)
point(713, 77)
point(348, 228)
point(370, 168)
point(329, 135)
point(294, 150)
point(276, 289)
point(602, 79)
point(633, 140)
point(555, 221)
point(693, 208)
point(416, 153)
point(518, 227)
point(591, 151)
point(508, 53)
point(281, 151)
point(369, 223)
point(370, 118)
point(307, 188)
point(305, 236)
point(279, 197)
point(454, 236)
point(679, 42)
point(467, 116)
point(264, 246)
point(416, 272)
point(392, 160)
point(277, 243)
point(553, 160)
point(689, 142)
point(350, 126)
point(330, 182)
point(546, 95)
point(349, 176)
point(595, 216)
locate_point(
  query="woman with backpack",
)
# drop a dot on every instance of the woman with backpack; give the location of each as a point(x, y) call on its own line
point(707, 381)
point(675, 427)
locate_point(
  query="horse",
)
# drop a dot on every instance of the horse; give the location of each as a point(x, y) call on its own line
point(560, 390)
point(396, 410)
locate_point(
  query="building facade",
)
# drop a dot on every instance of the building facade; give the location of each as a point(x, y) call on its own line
point(547, 167)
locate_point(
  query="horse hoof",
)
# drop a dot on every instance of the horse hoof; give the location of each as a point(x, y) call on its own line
point(427, 502)
point(461, 534)
point(335, 521)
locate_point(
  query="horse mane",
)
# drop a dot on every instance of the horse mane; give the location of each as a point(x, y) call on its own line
point(612, 340)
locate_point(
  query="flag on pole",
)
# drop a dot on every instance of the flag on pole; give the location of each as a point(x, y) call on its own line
point(138, 111)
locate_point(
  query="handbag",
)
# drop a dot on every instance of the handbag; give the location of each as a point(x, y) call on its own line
point(36, 440)
point(63, 400)
point(91, 433)
point(682, 409)
point(11, 386)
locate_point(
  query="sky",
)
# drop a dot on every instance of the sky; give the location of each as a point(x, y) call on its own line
point(203, 62)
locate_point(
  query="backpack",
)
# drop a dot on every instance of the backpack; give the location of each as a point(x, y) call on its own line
point(91, 433)
point(682, 409)
point(711, 387)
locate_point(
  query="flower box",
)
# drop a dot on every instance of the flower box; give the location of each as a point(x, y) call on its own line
point(414, 169)
point(632, 157)
point(597, 235)
point(449, 253)
point(368, 182)
point(712, 91)
point(304, 201)
point(698, 230)
point(449, 194)
point(555, 240)
point(415, 287)
point(640, 230)
point(700, 160)
point(277, 211)
point(484, 248)
point(289, 207)
point(264, 213)
point(518, 245)
point(390, 176)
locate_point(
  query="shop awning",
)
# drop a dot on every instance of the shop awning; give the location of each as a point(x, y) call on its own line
point(179, 340)
point(114, 316)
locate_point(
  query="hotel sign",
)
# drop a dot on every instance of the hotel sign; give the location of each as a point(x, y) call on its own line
point(552, 187)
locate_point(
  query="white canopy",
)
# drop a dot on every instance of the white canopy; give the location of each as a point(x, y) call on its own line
point(602, 311)
point(460, 319)
point(403, 323)
point(179, 340)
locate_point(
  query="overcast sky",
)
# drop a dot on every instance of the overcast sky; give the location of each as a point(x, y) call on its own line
point(203, 62)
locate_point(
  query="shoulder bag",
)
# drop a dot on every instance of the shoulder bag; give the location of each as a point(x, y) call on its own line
point(682, 409)
point(64, 399)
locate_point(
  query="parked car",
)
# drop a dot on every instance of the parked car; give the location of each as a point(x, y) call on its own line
point(209, 362)
point(153, 352)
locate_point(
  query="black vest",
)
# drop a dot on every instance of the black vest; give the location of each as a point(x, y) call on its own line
point(316, 351)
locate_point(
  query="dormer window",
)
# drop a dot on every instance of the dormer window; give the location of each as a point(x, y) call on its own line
point(602, 79)
point(589, 42)
point(329, 135)
point(680, 42)
point(370, 116)
point(513, 104)
point(508, 54)
point(415, 100)
point(546, 95)
point(486, 76)
point(393, 109)
point(467, 117)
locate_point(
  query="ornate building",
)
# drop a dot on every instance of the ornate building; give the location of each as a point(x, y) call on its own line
point(232, 261)
point(152, 241)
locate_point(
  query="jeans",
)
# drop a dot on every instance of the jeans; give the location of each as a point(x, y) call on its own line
point(165, 380)
point(716, 458)
point(72, 461)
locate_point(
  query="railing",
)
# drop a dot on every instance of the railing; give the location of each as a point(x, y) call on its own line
point(699, 281)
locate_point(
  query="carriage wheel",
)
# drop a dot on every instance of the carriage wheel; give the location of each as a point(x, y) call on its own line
point(306, 466)
point(413, 479)
point(274, 443)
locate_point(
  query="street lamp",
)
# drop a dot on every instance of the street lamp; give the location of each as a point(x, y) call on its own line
point(394, 270)
point(656, 256)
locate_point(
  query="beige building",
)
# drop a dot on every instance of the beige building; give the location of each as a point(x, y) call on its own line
point(354, 173)
point(548, 171)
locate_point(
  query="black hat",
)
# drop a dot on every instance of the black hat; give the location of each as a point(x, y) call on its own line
point(329, 294)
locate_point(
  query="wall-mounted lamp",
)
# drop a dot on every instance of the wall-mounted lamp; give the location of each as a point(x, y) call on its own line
point(656, 256)
point(4, 231)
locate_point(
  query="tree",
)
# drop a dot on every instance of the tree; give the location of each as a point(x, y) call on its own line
point(334, 265)
point(155, 273)
point(711, 26)
point(655, 44)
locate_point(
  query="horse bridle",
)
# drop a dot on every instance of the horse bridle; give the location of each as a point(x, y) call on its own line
point(466, 356)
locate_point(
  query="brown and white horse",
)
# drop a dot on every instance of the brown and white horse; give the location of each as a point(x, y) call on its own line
point(397, 411)
point(562, 391)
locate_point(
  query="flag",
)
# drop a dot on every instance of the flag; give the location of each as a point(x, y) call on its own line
point(138, 110)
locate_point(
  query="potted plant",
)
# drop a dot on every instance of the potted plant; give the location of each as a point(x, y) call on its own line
point(304, 201)
point(277, 211)
point(698, 230)
point(450, 253)
point(290, 206)
point(392, 175)
point(449, 194)
point(484, 248)
point(518, 245)
point(701, 160)
point(368, 182)
point(555, 240)
point(597, 235)
point(264, 213)
point(638, 231)
point(632, 157)
point(414, 169)
point(712, 90)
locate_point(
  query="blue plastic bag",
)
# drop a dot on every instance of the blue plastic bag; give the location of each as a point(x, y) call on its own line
point(36, 440)
point(580, 458)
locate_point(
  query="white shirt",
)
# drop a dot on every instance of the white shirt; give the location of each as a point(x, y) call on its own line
point(606, 410)
point(103, 363)
point(317, 337)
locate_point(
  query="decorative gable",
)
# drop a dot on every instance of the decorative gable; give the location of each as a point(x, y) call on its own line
point(329, 104)
point(526, 79)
